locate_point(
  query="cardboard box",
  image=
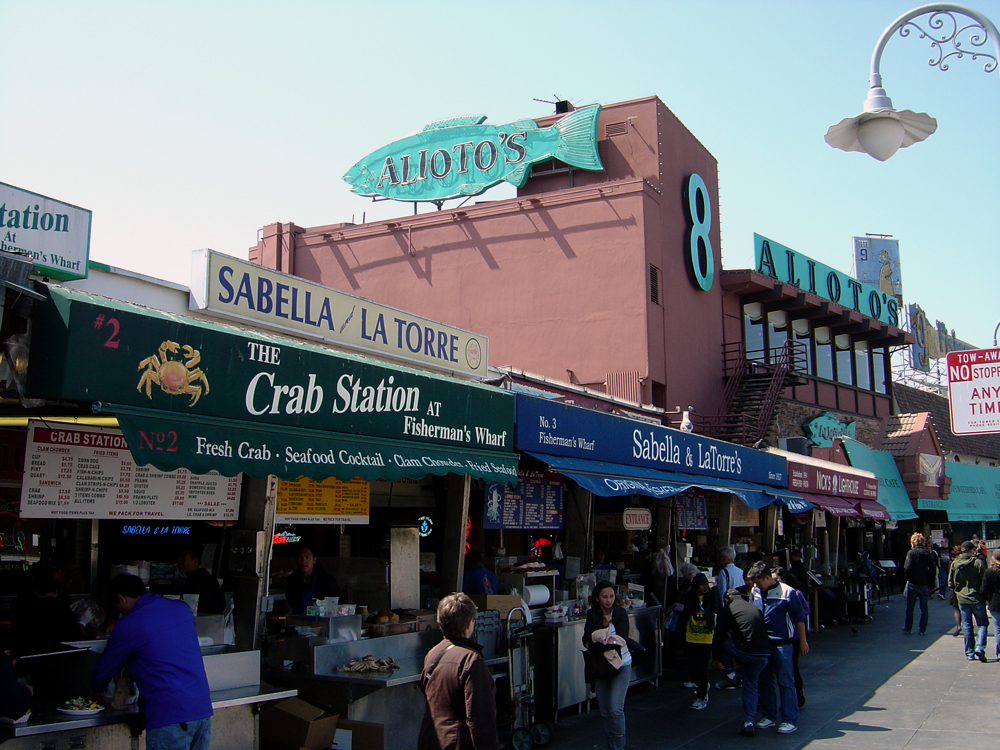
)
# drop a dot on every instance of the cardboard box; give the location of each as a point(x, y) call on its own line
point(503, 603)
point(359, 735)
point(294, 723)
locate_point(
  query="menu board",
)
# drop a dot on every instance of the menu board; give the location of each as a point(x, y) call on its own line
point(741, 515)
point(536, 503)
point(71, 471)
point(692, 510)
point(329, 501)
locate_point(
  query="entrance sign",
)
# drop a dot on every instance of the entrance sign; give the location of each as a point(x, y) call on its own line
point(330, 501)
point(974, 391)
point(784, 264)
point(235, 289)
point(637, 519)
point(88, 472)
point(55, 234)
point(462, 156)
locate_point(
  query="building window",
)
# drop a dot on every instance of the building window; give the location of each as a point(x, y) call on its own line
point(824, 360)
point(777, 334)
point(805, 352)
point(844, 363)
point(654, 284)
point(862, 366)
point(753, 334)
point(878, 371)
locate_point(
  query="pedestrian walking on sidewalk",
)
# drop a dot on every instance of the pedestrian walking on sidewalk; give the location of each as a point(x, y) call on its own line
point(990, 591)
point(728, 577)
point(605, 613)
point(697, 621)
point(966, 578)
point(740, 633)
point(920, 572)
point(785, 627)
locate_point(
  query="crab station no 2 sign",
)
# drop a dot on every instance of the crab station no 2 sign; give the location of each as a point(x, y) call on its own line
point(974, 391)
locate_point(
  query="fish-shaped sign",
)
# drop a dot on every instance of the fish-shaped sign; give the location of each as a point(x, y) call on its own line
point(824, 428)
point(462, 156)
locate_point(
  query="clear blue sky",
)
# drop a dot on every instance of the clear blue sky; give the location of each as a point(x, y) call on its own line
point(185, 125)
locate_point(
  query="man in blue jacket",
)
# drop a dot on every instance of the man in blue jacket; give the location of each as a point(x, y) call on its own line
point(155, 638)
point(786, 630)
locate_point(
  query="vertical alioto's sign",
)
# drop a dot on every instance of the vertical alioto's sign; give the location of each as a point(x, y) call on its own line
point(974, 391)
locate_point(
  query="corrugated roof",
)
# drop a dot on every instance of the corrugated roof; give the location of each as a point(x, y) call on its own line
point(900, 431)
point(913, 400)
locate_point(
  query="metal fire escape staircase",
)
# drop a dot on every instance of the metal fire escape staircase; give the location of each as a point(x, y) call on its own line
point(755, 381)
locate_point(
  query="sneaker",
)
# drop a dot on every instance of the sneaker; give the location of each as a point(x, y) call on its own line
point(765, 723)
point(728, 683)
point(699, 703)
point(981, 656)
point(690, 684)
point(904, 631)
point(746, 730)
point(922, 632)
point(786, 728)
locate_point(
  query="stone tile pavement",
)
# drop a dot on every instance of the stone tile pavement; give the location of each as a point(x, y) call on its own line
point(867, 686)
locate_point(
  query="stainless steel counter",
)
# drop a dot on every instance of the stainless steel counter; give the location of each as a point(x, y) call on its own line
point(46, 719)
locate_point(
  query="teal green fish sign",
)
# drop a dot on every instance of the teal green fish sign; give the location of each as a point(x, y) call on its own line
point(462, 156)
point(824, 428)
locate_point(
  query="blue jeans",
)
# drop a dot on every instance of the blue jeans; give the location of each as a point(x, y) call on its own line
point(977, 642)
point(778, 678)
point(196, 736)
point(995, 616)
point(915, 593)
point(611, 700)
point(751, 665)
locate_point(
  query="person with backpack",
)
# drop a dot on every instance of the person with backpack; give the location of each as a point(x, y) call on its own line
point(965, 579)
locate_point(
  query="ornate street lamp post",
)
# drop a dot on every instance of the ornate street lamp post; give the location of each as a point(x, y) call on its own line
point(881, 130)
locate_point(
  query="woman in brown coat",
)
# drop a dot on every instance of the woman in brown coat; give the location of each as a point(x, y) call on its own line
point(461, 705)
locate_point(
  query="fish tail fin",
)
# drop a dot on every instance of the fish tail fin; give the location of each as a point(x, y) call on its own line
point(578, 139)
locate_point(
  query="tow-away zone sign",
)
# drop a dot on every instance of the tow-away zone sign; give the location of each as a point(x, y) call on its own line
point(974, 391)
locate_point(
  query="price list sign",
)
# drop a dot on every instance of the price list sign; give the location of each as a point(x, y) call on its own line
point(536, 503)
point(692, 510)
point(88, 472)
point(329, 501)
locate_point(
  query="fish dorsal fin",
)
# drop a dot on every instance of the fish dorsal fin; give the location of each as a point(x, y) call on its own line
point(522, 125)
point(453, 122)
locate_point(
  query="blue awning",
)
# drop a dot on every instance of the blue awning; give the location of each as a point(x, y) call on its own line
point(610, 480)
point(974, 494)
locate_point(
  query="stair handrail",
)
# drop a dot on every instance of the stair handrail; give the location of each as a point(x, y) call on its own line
point(774, 389)
point(740, 367)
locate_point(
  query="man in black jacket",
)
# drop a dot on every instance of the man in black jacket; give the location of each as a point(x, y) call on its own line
point(920, 570)
point(740, 633)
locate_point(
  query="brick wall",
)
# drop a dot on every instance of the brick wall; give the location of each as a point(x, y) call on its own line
point(791, 415)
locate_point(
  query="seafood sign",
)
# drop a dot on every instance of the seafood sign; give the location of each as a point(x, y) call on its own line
point(462, 156)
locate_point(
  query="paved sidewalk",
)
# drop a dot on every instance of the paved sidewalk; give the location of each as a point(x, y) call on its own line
point(867, 686)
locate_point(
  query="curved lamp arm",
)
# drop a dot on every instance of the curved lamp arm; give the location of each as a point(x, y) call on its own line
point(878, 99)
point(995, 333)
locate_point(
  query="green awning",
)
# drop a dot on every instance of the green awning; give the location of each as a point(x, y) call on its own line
point(974, 493)
point(200, 445)
point(891, 492)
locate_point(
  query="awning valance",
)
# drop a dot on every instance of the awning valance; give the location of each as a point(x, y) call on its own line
point(974, 494)
point(610, 479)
point(201, 444)
point(891, 493)
point(872, 509)
point(835, 506)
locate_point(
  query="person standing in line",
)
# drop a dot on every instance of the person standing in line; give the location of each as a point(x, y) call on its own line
point(990, 591)
point(461, 709)
point(697, 621)
point(728, 577)
point(155, 638)
point(741, 632)
point(966, 579)
point(920, 572)
point(944, 562)
point(606, 613)
point(785, 627)
point(785, 576)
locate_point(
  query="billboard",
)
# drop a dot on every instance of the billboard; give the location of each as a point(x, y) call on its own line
point(931, 342)
point(876, 262)
point(55, 234)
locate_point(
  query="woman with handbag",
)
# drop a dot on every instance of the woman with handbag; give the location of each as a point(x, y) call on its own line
point(606, 614)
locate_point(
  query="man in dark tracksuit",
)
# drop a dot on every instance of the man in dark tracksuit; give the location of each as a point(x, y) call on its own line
point(740, 633)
